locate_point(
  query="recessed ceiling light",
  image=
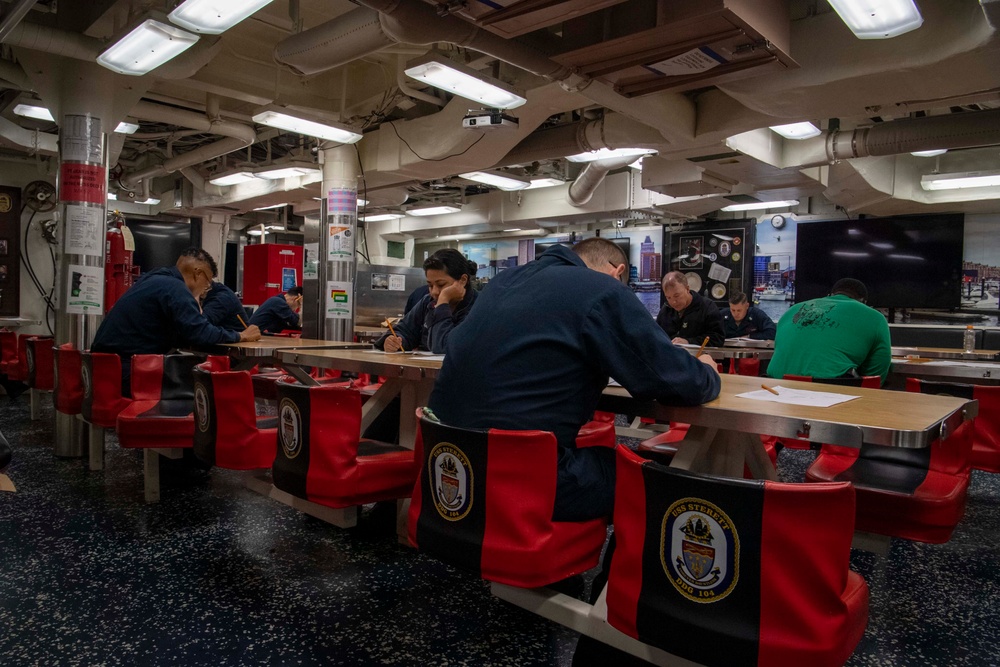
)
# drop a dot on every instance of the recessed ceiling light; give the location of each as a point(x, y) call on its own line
point(381, 217)
point(213, 17)
point(960, 180)
point(878, 19)
point(232, 178)
point(761, 205)
point(440, 71)
point(499, 180)
point(276, 173)
point(301, 123)
point(803, 130)
point(433, 210)
point(537, 183)
point(608, 153)
point(146, 46)
point(931, 153)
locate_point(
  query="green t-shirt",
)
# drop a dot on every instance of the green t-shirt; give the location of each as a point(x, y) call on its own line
point(830, 336)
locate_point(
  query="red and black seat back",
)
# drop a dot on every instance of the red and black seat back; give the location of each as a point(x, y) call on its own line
point(732, 572)
point(41, 363)
point(224, 418)
point(8, 349)
point(68, 379)
point(101, 373)
point(17, 368)
point(985, 453)
point(318, 433)
point(167, 379)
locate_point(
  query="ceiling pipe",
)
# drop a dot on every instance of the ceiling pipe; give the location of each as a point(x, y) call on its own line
point(29, 140)
point(189, 159)
point(970, 129)
point(14, 16)
point(582, 189)
point(194, 120)
point(54, 41)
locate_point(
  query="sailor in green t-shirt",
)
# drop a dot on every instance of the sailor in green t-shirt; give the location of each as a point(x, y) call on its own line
point(833, 336)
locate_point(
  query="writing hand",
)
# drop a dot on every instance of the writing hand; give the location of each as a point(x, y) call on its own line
point(392, 344)
point(251, 333)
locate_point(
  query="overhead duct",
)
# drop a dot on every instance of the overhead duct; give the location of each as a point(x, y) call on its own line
point(612, 130)
point(353, 35)
point(193, 120)
point(29, 140)
point(52, 40)
point(582, 189)
point(346, 38)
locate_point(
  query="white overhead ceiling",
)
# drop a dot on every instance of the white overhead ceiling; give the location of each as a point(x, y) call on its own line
point(414, 144)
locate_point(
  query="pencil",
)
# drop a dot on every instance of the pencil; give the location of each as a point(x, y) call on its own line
point(764, 386)
point(241, 321)
point(393, 332)
point(702, 348)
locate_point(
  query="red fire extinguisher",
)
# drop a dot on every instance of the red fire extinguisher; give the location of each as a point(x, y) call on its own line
point(119, 273)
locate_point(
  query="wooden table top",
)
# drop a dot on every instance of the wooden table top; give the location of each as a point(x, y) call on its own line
point(387, 364)
point(267, 346)
point(732, 352)
point(974, 372)
point(879, 416)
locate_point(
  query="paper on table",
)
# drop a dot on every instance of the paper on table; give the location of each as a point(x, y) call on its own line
point(417, 353)
point(816, 399)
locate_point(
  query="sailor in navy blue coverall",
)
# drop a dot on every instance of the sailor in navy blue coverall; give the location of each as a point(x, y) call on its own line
point(161, 313)
point(279, 312)
point(741, 319)
point(536, 353)
point(448, 301)
point(223, 308)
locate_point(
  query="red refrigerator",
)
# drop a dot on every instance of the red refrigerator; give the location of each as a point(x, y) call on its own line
point(270, 269)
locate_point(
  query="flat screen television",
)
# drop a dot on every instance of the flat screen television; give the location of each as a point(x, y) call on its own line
point(904, 261)
point(621, 243)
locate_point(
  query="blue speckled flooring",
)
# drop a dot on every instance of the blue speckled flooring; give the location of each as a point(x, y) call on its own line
point(217, 575)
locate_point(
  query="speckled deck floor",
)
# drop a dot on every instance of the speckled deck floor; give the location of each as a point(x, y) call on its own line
point(217, 575)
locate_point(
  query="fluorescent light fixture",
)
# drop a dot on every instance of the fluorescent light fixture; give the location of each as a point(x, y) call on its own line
point(232, 178)
point(41, 113)
point(433, 210)
point(878, 19)
point(112, 196)
point(502, 181)
point(381, 217)
point(295, 121)
point(146, 47)
point(803, 130)
point(606, 153)
point(277, 172)
point(439, 71)
point(760, 205)
point(213, 17)
point(968, 179)
point(914, 258)
point(152, 201)
point(31, 111)
point(362, 202)
point(268, 208)
point(255, 232)
point(513, 229)
point(849, 253)
point(537, 183)
point(932, 153)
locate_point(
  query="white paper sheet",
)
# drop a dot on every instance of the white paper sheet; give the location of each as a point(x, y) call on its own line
point(816, 399)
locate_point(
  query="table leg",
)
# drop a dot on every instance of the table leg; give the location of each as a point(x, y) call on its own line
point(96, 444)
point(300, 374)
point(151, 475)
point(379, 401)
point(413, 395)
point(342, 517)
point(36, 403)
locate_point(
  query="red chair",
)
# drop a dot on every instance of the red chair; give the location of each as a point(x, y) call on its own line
point(40, 363)
point(17, 368)
point(734, 572)
point(915, 494)
point(161, 414)
point(228, 433)
point(484, 500)
point(8, 350)
point(749, 366)
point(321, 456)
point(68, 393)
point(867, 381)
point(102, 399)
point(985, 427)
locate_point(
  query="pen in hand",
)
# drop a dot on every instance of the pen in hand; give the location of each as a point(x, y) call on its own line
point(702, 348)
point(393, 332)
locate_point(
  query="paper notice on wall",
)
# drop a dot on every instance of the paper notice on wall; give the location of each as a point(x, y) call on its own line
point(341, 243)
point(397, 283)
point(339, 300)
point(80, 139)
point(84, 230)
point(85, 291)
point(310, 269)
point(719, 272)
point(691, 62)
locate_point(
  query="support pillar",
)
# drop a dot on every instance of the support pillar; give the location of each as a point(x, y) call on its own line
point(85, 116)
point(337, 242)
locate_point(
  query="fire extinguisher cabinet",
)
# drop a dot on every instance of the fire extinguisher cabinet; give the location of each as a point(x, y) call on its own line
point(270, 269)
